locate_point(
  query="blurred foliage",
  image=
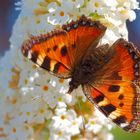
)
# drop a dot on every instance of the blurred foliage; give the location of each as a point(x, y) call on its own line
point(119, 134)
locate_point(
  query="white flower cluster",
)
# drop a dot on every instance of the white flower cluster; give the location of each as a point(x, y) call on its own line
point(35, 105)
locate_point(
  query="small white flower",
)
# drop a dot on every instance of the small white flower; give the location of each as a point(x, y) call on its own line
point(77, 3)
point(126, 14)
point(111, 3)
point(129, 4)
point(42, 113)
point(27, 111)
point(92, 126)
point(76, 124)
point(96, 5)
point(61, 14)
point(52, 7)
point(67, 121)
point(16, 131)
point(60, 134)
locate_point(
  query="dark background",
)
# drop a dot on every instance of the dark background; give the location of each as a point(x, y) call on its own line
point(8, 14)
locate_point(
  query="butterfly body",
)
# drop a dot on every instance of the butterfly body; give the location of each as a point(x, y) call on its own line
point(109, 75)
point(84, 72)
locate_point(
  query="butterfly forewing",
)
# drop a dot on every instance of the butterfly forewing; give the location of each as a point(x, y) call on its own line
point(59, 50)
point(83, 34)
point(116, 93)
point(49, 52)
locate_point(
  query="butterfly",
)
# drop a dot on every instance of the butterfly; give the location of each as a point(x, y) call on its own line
point(109, 75)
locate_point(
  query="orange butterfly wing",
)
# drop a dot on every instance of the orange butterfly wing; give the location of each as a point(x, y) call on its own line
point(59, 50)
point(116, 94)
point(49, 52)
point(82, 35)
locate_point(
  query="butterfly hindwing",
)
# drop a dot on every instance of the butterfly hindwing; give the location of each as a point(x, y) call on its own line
point(113, 107)
point(116, 94)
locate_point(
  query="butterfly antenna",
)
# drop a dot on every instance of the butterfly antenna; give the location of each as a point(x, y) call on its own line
point(81, 114)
